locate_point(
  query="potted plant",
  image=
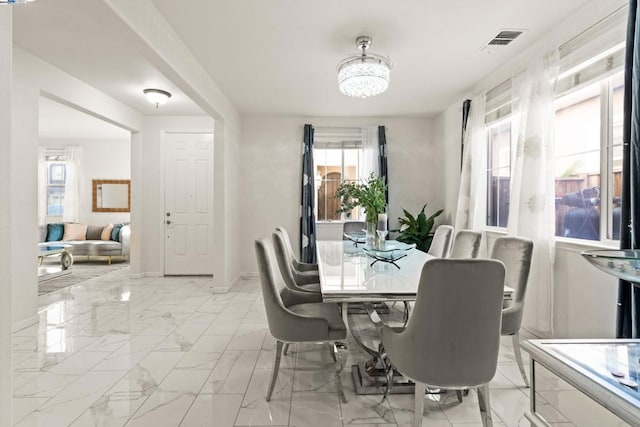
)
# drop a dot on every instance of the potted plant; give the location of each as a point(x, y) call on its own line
point(417, 229)
point(370, 196)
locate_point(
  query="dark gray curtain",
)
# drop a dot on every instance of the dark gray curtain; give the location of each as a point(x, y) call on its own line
point(307, 201)
point(628, 315)
point(466, 106)
point(382, 159)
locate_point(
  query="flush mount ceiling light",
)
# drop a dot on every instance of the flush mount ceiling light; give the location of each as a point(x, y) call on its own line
point(364, 75)
point(157, 96)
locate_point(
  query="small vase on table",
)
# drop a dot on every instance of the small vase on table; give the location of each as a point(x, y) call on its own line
point(382, 229)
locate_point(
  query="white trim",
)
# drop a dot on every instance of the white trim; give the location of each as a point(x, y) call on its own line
point(25, 323)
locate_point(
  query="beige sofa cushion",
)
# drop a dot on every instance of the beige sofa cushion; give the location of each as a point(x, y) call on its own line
point(106, 232)
point(75, 232)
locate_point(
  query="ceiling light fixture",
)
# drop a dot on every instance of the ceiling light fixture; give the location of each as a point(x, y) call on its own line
point(157, 96)
point(364, 75)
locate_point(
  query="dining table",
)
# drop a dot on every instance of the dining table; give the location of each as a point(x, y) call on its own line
point(370, 277)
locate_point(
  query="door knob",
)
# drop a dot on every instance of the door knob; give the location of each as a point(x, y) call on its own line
point(168, 222)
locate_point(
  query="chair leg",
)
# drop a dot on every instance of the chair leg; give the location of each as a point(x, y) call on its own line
point(276, 367)
point(518, 353)
point(418, 405)
point(339, 367)
point(485, 405)
point(286, 348)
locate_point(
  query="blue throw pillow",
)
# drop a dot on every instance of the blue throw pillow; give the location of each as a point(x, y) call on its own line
point(115, 234)
point(55, 232)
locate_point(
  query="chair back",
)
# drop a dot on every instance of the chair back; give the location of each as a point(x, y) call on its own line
point(352, 227)
point(441, 243)
point(284, 325)
point(453, 335)
point(283, 257)
point(291, 255)
point(466, 244)
point(272, 288)
point(515, 253)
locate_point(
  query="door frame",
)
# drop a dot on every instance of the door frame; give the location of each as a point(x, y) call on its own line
point(163, 159)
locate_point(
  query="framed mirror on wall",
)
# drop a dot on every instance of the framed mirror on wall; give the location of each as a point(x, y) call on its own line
point(111, 195)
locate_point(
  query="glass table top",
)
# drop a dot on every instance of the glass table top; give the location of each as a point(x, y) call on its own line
point(52, 249)
point(613, 364)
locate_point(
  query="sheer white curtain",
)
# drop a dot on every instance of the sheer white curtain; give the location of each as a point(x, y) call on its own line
point(532, 201)
point(42, 186)
point(370, 152)
point(72, 185)
point(472, 207)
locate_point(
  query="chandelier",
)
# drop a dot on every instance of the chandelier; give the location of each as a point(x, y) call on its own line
point(364, 75)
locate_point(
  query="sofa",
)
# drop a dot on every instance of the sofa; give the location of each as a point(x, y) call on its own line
point(89, 240)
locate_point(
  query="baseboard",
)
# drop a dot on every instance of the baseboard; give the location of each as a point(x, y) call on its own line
point(250, 275)
point(147, 274)
point(17, 326)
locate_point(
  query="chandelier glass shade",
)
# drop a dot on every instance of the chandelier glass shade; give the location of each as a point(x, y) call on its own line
point(365, 75)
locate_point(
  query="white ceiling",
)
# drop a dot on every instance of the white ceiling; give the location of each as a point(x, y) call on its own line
point(57, 121)
point(85, 39)
point(280, 56)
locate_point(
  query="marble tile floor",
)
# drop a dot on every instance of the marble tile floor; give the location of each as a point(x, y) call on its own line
point(168, 352)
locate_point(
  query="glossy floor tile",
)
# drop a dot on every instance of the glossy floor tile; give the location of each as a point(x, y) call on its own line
point(167, 352)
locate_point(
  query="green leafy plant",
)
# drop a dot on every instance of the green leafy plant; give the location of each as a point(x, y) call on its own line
point(417, 229)
point(370, 196)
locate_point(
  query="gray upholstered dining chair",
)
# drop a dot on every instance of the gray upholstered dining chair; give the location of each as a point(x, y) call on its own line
point(294, 318)
point(441, 243)
point(515, 253)
point(297, 265)
point(466, 244)
point(352, 227)
point(308, 281)
point(452, 338)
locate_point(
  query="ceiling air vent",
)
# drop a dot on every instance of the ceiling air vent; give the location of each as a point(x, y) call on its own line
point(504, 37)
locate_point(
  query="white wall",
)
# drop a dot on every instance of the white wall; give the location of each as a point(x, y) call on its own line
point(271, 164)
point(100, 159)
point(584, 298)
point(6, 243)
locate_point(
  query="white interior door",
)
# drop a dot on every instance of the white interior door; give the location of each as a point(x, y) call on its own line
point(188, 199)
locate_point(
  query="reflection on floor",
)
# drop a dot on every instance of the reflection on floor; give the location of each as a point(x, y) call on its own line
point(167, 352)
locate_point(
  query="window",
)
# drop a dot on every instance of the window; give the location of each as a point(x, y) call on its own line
point(498, 173)
point(56, 178)
point(335, 163)
point(587, 136)
point(588, 148)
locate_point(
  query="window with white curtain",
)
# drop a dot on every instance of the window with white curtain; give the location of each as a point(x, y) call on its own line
point(587, 135)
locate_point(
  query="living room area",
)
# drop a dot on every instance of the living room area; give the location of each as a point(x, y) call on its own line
point(84, 196)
